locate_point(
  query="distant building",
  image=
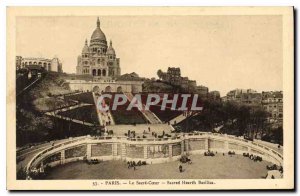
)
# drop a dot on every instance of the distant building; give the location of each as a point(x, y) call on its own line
point(272, 102)
point(214, 95)
point(39, 63)
point(18, 62)
point(202, 91)
point(173, 76)
point(244, 96)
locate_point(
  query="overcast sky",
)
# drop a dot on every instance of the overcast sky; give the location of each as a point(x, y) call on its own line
point(220, 52)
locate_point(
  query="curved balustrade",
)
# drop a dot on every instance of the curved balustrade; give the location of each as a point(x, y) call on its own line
point(154, 150)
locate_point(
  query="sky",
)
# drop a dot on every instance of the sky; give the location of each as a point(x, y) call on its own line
point(220, 52)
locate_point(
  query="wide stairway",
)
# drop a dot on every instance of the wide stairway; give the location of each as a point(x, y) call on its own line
point(104, 117)
point(150, 116)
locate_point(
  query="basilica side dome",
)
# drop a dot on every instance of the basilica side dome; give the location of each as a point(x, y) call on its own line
point(110, 50)
point(85, 48)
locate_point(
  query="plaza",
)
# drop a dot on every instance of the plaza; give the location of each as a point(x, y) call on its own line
point(203, 167)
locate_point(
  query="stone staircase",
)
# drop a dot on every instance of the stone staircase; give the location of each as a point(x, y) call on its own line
point(181, 117)
point(150, 116)
point(103, 116)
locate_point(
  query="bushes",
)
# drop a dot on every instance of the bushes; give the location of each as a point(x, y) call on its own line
point(86, 97)
point(21, 174)
point(84, 113)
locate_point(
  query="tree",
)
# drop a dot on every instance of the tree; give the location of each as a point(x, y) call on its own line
point(21, 173)
point(159, 73)
point(278, 135)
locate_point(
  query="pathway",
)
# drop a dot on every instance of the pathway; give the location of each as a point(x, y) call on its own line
point(104, 117)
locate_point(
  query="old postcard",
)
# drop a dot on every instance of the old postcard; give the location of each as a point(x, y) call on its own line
point(150, 98)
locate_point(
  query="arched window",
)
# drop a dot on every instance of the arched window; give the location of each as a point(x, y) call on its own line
point(108, 89)
point(104, 72)
point(119, 89)
point(99, 72)
point(94, 72)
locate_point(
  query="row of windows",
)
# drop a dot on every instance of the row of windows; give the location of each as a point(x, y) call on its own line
point(272, 100)
point(99, 72)
point(86, 56)
point(34, 63)
point(99, 61)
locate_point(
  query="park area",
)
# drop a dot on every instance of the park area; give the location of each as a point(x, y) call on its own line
point(202, 167)
point(85, 113)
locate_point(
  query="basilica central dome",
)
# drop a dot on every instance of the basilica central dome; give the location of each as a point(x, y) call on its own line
point(98, 34)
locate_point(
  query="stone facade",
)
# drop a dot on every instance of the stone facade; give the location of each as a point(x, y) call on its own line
point(272, 102)
point(106, 86)
point(97, 59)
point(43, 63)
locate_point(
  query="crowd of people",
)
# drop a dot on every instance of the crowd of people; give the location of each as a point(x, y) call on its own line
point(253, 157)
point(133, 164)
point(209, 153)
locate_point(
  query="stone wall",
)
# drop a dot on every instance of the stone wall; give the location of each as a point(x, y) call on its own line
point(106, 86)
point(149, 150)
point(158, 151)
point(134, 151)
point(101, 150)
point(196, 144)
point(79, 151)
point(176, 149)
